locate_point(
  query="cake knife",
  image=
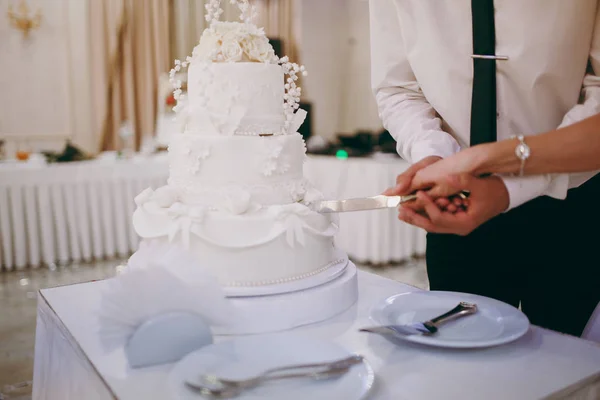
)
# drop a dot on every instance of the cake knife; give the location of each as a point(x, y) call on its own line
point(365, 203)
point(360, 204)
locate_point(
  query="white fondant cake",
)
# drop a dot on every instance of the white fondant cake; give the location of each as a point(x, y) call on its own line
point(236, 189)
point(205, 169)
point(247, 97)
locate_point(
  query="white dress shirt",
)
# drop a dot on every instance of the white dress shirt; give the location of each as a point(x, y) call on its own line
point(422, 75)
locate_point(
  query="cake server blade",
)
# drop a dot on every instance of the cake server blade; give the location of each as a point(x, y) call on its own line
point(359, 204)
point(429, 327)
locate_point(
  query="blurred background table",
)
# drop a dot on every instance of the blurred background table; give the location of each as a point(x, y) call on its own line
point(81, 211)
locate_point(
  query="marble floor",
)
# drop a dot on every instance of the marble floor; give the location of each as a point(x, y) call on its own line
point(18, 291)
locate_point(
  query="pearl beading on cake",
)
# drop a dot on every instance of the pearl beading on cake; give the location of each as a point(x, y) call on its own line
point(293, 190)
point(286, 280)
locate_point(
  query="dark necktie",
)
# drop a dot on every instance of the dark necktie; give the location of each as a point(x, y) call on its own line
point(483, 103)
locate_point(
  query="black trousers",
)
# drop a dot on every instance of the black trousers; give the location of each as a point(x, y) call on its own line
point(544, 255)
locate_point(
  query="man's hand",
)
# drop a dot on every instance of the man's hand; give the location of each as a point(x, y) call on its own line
point(404, 180)
point(488, 198)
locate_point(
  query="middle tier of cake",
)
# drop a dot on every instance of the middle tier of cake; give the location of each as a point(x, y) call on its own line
point(211, 170)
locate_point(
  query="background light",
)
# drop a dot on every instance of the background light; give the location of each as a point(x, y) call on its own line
point(341, 154)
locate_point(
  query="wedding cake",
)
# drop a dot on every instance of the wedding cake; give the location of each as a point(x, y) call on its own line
point(236, 195)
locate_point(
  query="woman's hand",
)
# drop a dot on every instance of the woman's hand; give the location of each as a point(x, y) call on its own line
point(434, 178)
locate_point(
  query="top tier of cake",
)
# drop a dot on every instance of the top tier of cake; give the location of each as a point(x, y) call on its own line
point(236, 85)
point(235, 99)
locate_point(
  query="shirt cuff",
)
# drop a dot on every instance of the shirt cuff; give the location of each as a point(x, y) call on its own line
point(558, 186)
point(522, 189)
point(429, 148)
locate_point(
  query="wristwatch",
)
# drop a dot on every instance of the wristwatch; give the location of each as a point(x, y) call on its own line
point(522, 151)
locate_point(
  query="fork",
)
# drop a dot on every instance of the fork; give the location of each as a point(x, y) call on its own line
point(215, 386)
point(223, 391)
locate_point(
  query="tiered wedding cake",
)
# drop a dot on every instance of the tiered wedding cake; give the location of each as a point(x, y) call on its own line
point(236, 193)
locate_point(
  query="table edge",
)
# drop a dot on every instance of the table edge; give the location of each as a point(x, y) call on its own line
point(564, 393)
point(74, 340)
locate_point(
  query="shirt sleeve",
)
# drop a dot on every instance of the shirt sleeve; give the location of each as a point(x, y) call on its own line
point(403, 109)
point(521, 190)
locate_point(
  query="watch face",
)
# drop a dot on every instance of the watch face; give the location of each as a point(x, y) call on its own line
point(522, 151)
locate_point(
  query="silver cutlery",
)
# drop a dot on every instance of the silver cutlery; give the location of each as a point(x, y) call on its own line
point(216, 387)
point(359, 204)
point(365, 203)
point(427, 327)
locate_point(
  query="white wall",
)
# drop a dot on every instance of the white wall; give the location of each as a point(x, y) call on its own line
point(334, 47)
point(359, 110)
point(44, 79)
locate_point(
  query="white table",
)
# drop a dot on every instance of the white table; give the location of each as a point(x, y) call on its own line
point(71, 212)
point(81, 211)
point(69, 362)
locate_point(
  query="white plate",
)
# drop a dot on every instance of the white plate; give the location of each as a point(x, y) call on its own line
point(249, 355)
point(335, 270)
point(494, 323)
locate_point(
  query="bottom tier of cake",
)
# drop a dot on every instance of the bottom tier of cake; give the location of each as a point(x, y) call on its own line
point(267, 246)
point(284, 311)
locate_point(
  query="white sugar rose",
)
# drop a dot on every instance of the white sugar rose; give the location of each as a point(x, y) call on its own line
point(258, 49)
point(209, 42)
point(231, 49)
point(265, 50)
point(232, 52)
point(250, 48)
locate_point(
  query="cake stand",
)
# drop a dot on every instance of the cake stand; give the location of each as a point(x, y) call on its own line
point(286, 310)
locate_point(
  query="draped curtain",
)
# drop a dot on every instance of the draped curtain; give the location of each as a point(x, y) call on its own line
point(277, 17)
point(129, 51)
point(133, 44)
point(189, 23)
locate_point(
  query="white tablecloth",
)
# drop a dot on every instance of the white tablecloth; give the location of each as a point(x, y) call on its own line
point(81, 211)
point(70, 364)
point(71, 212)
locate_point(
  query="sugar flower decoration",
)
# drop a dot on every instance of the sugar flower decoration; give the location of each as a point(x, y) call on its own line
point(214, 10)
point(292, 94)
point(241, 42)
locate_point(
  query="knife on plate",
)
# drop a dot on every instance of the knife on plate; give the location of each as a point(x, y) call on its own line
point(364, 203)
point(426, 327)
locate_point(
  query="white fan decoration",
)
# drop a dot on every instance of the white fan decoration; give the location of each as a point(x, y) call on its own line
point(159, 279)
